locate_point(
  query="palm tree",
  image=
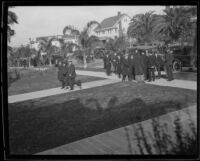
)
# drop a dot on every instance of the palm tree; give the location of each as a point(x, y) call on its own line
point(141, 27)
point(85, 40)
point(12, 19)
point(173, 24)
point(47, 47)
point(66, 47)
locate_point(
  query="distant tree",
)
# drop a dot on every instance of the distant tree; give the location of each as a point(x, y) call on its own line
point(85, 40)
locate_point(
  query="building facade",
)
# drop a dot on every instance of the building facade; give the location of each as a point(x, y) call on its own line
point(113, 26)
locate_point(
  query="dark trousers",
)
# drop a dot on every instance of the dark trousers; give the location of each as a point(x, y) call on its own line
point(124, 77)
point(158, 70)
point(151, 74)
point(169, 72)
point(63, 84)
point(146, 73)
point(71, 82)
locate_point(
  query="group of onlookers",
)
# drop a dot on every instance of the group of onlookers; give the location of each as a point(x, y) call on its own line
point(138, 64)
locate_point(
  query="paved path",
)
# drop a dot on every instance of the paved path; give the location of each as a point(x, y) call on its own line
point(110, 79)
point(56, 91)
point(122, 140)
point(161, 82)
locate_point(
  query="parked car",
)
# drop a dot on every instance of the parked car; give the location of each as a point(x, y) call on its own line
point(182, 57)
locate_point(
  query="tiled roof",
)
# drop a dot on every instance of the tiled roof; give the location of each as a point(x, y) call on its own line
point(108, 22)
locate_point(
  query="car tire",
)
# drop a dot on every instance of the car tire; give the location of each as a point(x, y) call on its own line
point(177, 67)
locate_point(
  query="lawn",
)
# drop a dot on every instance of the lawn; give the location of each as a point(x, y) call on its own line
point(41, 124)
point(38, 80)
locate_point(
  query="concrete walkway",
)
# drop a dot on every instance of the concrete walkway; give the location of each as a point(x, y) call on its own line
point(123, 140)
point(110, 79)
point(56, 91)
point(161, 82)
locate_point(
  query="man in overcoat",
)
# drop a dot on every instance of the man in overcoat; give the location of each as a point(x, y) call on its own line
point(139, 70)
point(72, 74)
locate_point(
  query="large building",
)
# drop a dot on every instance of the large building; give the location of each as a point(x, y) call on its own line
point(112, 27)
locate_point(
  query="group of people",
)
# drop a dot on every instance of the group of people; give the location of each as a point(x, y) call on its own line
point(67, 74)
point(137, 64)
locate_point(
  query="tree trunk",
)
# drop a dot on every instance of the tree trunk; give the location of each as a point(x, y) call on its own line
point(50, 64)
point(84, 59)
point(29, 62)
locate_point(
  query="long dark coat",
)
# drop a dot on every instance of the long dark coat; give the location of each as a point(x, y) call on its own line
point(60, 73)
point(152, 61)
point(138, 64)
point(108, 64)
point(71, 71)
point(169, 59)
point(159, 61)
point(125, 66)
point(119, 64)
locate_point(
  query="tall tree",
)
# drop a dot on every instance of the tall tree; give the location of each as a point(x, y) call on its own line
point(47, 47)
point(141, 27)
point(12, 19)
point(173, 24)
point(85, 40)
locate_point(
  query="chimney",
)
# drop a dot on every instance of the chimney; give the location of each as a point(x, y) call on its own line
point(118, 13)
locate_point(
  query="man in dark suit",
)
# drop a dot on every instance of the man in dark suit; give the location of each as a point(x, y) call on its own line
point(131, 65)
point(108, 63)
point(159, 64)
point(72, 74)
point(168, 64)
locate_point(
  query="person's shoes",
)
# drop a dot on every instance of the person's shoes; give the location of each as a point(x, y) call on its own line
point(66, 87)
point(62, 87)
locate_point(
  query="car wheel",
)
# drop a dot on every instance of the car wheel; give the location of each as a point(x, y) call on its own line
point(177, 66)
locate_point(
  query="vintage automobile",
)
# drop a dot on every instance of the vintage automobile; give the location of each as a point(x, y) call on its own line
point(182, 57)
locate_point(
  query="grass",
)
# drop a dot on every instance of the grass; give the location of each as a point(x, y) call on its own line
point(41, 124)
point(38, 80)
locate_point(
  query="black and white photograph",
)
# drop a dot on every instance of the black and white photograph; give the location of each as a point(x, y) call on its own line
point(102, 80)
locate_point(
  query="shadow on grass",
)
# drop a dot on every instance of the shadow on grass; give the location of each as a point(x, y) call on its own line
point(33, 130)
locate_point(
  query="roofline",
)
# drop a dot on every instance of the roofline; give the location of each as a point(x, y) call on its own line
point(115, 23)
point(121, 18)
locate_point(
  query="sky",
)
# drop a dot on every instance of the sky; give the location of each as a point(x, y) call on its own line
point(35, 21)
